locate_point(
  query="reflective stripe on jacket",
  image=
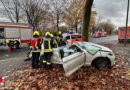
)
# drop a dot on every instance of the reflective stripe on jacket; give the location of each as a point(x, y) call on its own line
point(47, 45)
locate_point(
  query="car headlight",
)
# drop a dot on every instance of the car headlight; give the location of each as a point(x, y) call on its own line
point(110, 53)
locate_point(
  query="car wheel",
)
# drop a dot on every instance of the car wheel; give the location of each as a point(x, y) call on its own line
point(101, 63)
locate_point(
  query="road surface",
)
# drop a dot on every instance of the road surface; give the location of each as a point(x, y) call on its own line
point(103, 39)
point(10, 62)
point(15, 60)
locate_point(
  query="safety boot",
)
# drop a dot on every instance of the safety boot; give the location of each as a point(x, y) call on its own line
point(48, 66)
point(44, 65)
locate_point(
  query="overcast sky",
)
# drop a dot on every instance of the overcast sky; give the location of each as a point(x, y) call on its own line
point(114, 10)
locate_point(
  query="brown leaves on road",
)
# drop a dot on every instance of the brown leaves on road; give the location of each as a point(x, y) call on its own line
point(116, 78)
point(84, 78)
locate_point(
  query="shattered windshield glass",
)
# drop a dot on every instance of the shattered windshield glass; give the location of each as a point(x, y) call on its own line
point(89, 48)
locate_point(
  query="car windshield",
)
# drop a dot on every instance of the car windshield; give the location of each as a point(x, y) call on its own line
point(89, 48)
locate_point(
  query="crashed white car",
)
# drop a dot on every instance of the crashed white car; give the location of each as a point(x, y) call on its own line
point(82, 54)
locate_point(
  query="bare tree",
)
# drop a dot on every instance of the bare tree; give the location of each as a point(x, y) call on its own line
point(57, 9)
point(96, 24)
point(87, 15)
point(107, 26)
point(35, 11)
point(12, 10)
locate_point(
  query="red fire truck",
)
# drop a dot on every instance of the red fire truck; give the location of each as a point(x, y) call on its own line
point(121, 33)
point(14, 35)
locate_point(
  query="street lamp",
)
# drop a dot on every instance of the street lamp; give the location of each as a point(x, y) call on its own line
point(126, 23)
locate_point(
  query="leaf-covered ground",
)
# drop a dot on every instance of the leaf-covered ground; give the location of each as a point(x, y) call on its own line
point(116, 78)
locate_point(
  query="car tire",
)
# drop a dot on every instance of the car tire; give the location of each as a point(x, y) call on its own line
point(101, 63)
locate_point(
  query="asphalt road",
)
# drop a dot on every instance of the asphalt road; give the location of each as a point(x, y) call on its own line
point(10, 62)
point(103, 39)
point(4, 54)
point(15, 60)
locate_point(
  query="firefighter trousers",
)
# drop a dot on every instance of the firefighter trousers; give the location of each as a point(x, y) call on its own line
point(35, 59)
point(47, 57)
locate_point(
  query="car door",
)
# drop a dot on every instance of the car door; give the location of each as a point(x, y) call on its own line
point(74, 61)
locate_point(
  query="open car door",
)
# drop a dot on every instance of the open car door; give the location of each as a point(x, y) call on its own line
point(73, 60)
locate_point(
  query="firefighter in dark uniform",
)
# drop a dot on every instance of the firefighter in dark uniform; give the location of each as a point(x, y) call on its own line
point(35, 46)
point(54, 41)
point(47, 46)
point(59, 38)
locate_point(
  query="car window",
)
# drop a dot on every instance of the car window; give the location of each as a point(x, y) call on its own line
point(67, 38)
point(73, 36)
point(89, 48)
point(128, 30)
point(122, 30)
point(67, 51)
point(78, 36)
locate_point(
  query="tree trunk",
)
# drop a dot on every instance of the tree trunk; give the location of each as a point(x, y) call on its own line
point(57, 20)
point(87, 14)
point(76, 26)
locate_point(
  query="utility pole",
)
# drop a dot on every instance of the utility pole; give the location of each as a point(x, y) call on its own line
point(126, 24)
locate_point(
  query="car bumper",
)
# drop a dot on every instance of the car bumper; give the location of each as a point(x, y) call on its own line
point(112, 59)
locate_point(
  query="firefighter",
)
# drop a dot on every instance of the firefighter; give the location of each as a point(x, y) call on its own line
point(59, 38)
point(54, 41)
point(35, 46)
point(47, 46)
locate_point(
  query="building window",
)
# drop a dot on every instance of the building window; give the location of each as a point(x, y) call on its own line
point(1, 33)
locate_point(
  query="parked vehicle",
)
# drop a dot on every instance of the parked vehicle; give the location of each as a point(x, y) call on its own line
point(72, 38)
point(97, 34)
point(81, 54)
point(121, 34)
point(104, 34)
point(14, 35)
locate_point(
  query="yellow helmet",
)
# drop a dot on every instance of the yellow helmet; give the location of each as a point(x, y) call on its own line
point(36, 33)
point(7, 41)
point(47, 33)
point(51, 35)
point(59, 32)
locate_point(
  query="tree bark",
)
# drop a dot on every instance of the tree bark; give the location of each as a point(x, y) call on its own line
point(76, 25)
point(87, 15)
point(57, 21)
